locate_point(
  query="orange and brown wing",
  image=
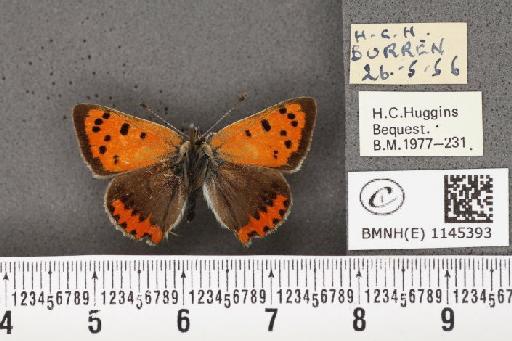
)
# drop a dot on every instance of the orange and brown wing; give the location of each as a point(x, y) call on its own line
point(114, 142)
point(250, 201)
point(278, 137)
point(147, 203)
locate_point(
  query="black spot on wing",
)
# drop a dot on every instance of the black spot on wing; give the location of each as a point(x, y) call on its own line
point(124, 129)
point(252, 234)
point(266, 125)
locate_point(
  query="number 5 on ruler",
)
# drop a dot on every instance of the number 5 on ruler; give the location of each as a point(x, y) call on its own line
point(94, 322)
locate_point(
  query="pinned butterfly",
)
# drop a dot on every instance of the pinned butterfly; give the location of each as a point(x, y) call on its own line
point(159, 171)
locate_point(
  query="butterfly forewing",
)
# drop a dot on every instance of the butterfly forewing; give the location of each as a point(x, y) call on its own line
point(278, 137)
point(113, 142)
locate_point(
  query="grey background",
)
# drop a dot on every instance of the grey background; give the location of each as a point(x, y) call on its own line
point(489, 71)
point(193, 58)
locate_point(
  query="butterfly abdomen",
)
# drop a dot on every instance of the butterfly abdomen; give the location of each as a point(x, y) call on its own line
point(191, 206)
point(196, 164)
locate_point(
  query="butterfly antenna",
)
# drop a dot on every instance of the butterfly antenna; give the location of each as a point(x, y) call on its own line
point(241, 98)
point(154, 113)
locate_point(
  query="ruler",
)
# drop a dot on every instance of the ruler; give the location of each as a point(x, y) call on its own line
point(256, 297)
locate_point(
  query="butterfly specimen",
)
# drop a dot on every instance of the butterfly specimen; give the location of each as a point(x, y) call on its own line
point(158, 171)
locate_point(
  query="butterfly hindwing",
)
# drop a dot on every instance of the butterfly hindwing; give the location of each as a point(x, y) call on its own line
point(147, 203)
point(251, 201)
point(277, 137)
point(113, 142)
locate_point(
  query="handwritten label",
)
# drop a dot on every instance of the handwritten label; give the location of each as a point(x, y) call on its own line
point(421, 53)
point(416, 209)
point(420, 123)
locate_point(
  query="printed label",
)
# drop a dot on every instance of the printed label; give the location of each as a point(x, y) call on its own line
point(428, 209)
point(420, 123)
point(426, 53)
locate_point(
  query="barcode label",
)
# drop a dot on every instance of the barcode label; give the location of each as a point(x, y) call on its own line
point(468, 198)
point(428, 209)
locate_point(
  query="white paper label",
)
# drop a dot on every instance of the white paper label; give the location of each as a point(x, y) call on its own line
point(421, 53)
point(428, 209)
point(420, 123)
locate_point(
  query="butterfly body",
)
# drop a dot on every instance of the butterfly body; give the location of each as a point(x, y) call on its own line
point(196, 161)
point(159, 173)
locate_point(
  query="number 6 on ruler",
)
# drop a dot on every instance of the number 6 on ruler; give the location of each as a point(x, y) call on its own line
point(183, 320)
